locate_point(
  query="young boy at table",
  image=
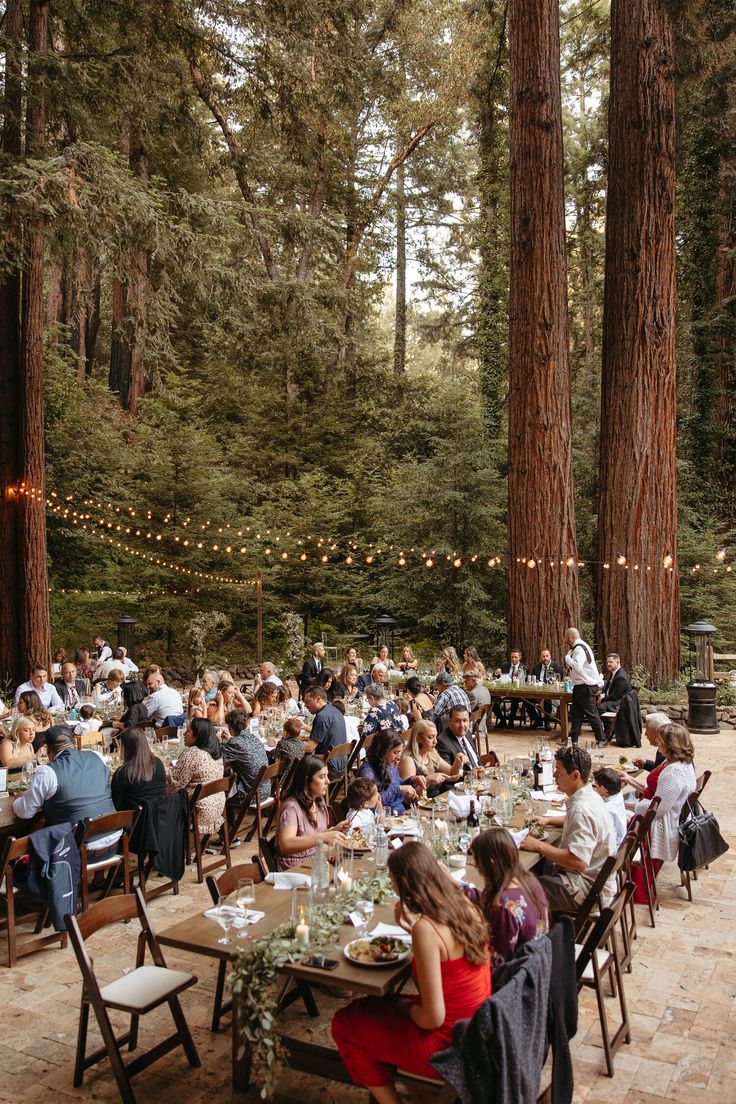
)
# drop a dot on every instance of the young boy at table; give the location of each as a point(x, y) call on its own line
point(607, 783)
point(363, 802)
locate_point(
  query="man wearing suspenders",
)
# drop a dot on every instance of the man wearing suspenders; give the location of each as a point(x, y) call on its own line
point(586, 680)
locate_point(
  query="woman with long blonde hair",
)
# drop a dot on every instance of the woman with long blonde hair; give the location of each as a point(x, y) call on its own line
point(16, 749)
point(449, 661)
point(451, 971)
point(422, 758)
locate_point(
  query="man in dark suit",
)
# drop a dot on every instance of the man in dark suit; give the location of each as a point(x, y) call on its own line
point(454, 739)
point(516, 669)
point(616, 684)
point(71, 690)
point(311, 667)
point(546, 671)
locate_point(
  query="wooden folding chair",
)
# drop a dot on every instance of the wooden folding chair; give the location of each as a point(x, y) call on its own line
point(641, 855)
point(267, 855)
point(354, 759)
point(595, 959)
point(220, 785)
point(479, 726)
point(339, 786)
point(162, 734)
point(255, 804)
point(280, 778)
point(615, 867)
point(490, 759)
point(86, 830)
point(135, 993)
point(222, 886)
point(13, 851)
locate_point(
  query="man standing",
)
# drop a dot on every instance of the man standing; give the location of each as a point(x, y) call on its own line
point(588, 836)
point(455, 740)
point(328, 728)
point(547, 671)
point(103, 650)
point(38, 682)
point(586, 681)
point(71, 689)
point(616, 684)
point(311, 667)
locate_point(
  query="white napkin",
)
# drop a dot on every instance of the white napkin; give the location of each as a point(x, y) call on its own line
point(287, 879)
point(458, 875)
point(390, 931)
point(239, 918)
point(407, 830)
point(520, 836)
point(555, 813)
point(459, 803)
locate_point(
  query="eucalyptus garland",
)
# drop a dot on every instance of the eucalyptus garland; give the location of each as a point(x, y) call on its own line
point(256, 968)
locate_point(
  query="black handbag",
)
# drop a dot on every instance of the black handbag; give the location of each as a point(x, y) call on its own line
point(700, 837)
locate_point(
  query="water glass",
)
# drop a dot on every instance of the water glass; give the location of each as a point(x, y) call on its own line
point(224, 919)
point(463, 841)
point(365, 910)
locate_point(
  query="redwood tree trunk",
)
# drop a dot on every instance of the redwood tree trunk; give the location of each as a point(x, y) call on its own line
point(400, 321)
point(638, 610)
point(543, 599)
point(11, 660)
point(35, 626)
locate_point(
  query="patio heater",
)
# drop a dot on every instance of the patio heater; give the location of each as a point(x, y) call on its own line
point(126, 635)
point(384, 626)
point(701, 690)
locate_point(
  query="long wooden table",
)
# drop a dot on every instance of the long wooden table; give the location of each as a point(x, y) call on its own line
point(533, 694)
point(199, 935)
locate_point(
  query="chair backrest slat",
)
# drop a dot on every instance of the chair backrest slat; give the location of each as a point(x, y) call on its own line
point(225, 883)
point(110, 910)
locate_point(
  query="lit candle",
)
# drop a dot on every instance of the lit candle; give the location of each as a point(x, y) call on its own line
point(345, 882)
point(302, 934)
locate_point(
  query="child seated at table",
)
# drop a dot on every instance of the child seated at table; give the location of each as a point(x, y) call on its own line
point(607, 783)
point(363, 801)
point(87, 721)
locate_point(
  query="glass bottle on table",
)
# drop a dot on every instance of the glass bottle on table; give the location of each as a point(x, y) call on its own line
point(320, 880)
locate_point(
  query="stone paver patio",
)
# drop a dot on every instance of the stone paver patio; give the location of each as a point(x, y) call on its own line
point(681, 994)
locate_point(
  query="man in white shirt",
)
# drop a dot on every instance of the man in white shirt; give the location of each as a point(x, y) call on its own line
point(46, 691)
point(123, 654)
point(115, 663)
point(586, 680)
point(267, 671)
point(103, 650)
point(588, 836)
point(162, 701)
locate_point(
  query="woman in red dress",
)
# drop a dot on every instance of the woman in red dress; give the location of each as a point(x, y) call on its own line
point(451, 970)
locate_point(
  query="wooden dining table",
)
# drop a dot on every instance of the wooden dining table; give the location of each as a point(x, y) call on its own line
point(199, 935)
point(535, 695)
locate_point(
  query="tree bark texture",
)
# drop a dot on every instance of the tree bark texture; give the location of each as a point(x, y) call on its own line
point(725, 406)
point(400, 320)
point(35, 623)
point(638, 610)
point(11, 662)
point(543, 599)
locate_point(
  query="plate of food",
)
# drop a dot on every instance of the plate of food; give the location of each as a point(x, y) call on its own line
point(538, 832)
point(382, 950)
point(395, 825)
point(356, 841)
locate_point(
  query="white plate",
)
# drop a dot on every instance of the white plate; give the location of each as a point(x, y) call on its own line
point(400, 957)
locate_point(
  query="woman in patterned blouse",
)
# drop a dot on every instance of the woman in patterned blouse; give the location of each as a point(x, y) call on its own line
point(512, 901)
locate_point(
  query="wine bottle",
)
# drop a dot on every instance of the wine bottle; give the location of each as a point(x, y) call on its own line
point(473, 822)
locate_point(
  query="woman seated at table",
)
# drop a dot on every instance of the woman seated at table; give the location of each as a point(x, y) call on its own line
point(451, 970)
point(421, 758)
point(135, 711)
point(512, 901)
point(473, 661)
point(448, 661)
point(652, 725)
point(231, 698)
point(380, 764)
point(408, 662)
point(58, 661)
point(83, 662)
point(16, 749)
point(418, 704)
point(675, 783)
point(196, 703)
point(109, 691)
point(265, 697)
point(383, 657)
point(351, 656)
point(29, 705)
point(200, 762)
point(347, 682)
point(382, 714)
point(142, 776)
point(304, 818)
point(286, 702)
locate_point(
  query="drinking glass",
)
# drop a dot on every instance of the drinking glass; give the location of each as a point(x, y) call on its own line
point(224, 919)
point(463, 841)
point(365, 909)
point(245, 895)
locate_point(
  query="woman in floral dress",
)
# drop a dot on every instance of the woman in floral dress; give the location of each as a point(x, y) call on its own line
point(199, 763)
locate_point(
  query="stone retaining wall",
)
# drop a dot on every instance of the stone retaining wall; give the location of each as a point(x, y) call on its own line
point(726, 714)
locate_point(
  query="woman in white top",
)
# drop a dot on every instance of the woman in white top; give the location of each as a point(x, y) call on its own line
point(675, 784)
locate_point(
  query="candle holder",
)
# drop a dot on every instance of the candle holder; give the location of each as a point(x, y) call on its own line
point(343, 878)
point(301, 913)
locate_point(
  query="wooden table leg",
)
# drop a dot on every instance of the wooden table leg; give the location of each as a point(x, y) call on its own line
point(241, 1052)
point(564, 728)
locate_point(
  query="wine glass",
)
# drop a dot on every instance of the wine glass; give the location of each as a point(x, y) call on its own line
point(365, 910)
point(463, 841)
point(224, 919)
point(245, 896)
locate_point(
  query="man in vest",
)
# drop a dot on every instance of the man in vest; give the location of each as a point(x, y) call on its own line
point(586, 681)
point(72, 785)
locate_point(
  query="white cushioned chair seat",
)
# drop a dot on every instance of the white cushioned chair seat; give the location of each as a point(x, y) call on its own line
point(602, 957)
point(145, 987)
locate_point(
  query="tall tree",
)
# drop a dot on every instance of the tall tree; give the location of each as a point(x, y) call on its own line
point(638, 609)
point(543, 588)
point(400, 320)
